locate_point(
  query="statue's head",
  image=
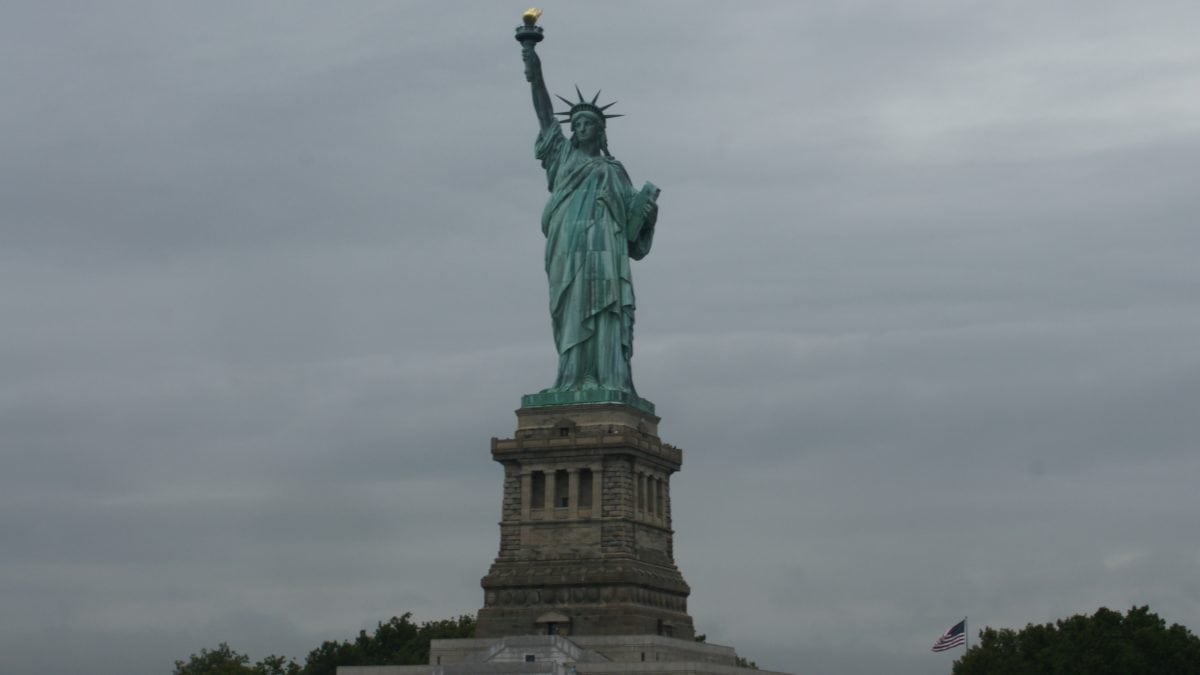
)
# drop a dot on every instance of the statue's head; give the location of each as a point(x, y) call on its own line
point(588, 114)
point(588, 128)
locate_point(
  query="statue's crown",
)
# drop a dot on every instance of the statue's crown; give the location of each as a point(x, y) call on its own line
point(585, 105)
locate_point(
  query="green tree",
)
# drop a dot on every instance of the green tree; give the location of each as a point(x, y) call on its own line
point(225, 661)
point(219, 661)
point(398, 642)
point(277, 665)
point(1105, 643)
point(743, 662)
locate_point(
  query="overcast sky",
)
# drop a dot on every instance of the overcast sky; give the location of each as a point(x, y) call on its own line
point(923, 312)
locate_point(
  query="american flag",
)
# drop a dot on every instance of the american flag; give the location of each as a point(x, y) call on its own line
point(957, 635)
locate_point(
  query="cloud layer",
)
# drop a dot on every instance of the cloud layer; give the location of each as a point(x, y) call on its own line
point(922, 312)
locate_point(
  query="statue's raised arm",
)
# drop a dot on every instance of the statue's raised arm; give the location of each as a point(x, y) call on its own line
point(529, 35)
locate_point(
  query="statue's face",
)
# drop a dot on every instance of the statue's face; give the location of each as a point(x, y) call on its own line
point(586, 128)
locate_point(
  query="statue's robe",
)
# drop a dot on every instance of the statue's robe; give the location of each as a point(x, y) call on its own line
point(591, 233)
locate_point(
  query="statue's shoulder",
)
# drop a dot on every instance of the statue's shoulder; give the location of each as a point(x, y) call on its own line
point(551, 144)
point(615, 165)
point(550, 134)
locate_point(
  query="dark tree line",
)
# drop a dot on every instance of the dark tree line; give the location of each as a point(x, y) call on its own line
point(397, 642)
point(1105, 643)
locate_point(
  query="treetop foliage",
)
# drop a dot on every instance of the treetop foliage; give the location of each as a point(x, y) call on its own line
point(225, 661)
point(1105, 643)
point(397, 642)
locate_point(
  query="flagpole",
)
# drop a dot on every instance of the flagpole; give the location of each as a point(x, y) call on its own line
point(966, 636)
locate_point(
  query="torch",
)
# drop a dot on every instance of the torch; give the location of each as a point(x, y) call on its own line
point(529, 33)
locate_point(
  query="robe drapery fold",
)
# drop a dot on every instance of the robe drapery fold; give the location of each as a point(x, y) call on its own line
point(587, 222)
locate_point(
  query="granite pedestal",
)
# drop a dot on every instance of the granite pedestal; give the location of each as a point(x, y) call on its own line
point(585, 580)
point(586, 546)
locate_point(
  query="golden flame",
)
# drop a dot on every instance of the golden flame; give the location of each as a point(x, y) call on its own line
point(531, 16)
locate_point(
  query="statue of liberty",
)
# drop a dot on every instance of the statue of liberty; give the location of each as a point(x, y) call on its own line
point(594, 222)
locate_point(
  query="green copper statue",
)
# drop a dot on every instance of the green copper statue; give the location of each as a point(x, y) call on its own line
point(594, 223)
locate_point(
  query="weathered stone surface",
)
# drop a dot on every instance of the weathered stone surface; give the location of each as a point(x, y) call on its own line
point(585, 528)
point(585, 417)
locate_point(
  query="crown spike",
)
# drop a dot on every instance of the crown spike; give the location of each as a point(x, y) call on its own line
point(583, 105)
